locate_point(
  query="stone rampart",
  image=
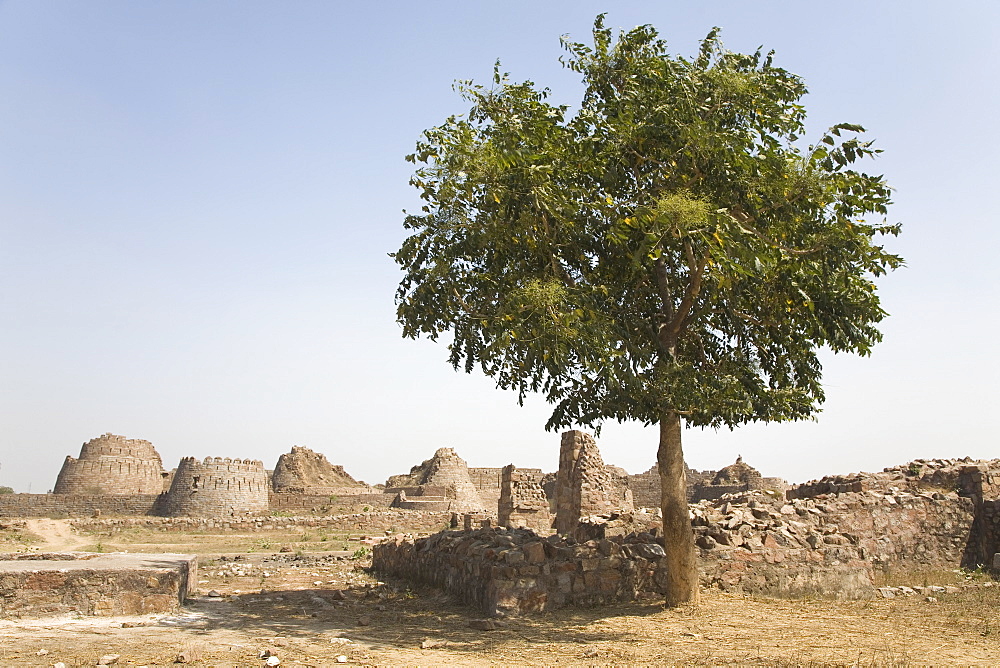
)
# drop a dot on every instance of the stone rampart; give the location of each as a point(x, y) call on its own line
point(324, 502)
point(356, 524)
point(218, 487)
point(79, 505)
point(112, 464)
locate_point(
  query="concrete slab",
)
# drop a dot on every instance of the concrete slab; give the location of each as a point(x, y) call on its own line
point(35, 585)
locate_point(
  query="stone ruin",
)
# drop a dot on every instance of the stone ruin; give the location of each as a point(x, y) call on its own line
point(522, 502)
point(303, 471)
point(439, 483)
point(112, 464)
point(705, 485)
point(828, 537)
point(584, 485)
point(40, 584)
point(503, 571)
point(218, 487)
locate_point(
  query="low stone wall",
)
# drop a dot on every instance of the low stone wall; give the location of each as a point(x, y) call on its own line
point(78, 505)
point(503, 571)
point(354, 523)
point(283, 502)
point(40, 585)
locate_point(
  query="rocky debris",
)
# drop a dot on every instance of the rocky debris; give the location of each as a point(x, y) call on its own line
point(610, 525)
point(109, 659)
point(918, 476)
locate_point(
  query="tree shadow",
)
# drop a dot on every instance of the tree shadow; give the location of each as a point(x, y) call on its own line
point(384, 619)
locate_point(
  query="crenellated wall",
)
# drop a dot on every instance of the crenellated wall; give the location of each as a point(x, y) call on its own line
point(217, 487)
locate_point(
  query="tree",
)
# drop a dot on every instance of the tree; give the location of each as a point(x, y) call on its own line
point(669, 252)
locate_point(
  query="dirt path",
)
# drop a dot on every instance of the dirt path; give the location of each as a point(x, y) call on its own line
point(55, 534)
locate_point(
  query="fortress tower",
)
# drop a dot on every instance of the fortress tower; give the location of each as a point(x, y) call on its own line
point(218, 487)
point(112, 464)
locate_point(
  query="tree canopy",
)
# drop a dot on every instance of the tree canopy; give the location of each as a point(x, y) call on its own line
point(669, 245)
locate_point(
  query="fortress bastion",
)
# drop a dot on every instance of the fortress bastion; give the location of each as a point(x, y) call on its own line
point(112, 464)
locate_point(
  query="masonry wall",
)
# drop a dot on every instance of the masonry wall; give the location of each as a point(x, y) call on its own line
point(314, 503)
point(522, 501)
point(514, 571)
point(79, 505)
point(584, 486)
point(92, 584)
point(218, 487)
point(112, 464)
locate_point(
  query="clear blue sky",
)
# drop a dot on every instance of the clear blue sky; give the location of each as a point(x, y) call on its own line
point(197, 200)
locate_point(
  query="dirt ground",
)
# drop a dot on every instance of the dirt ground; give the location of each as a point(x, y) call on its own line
point(309, 608)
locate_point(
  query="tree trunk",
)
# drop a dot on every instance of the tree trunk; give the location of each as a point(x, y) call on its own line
point(678, 537)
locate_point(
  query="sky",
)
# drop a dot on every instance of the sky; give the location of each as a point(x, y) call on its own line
point(198, 200)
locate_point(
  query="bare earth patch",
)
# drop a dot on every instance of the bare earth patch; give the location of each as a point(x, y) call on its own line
point(311, 607)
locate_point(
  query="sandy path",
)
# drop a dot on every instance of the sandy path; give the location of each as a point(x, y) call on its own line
point(55, 534)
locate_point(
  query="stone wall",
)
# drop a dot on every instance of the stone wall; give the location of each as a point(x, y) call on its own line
point(522, 501)
point(355, 524)
point(38, 585)
point(751, 542)
point(79, 505)
point(218, 487)
point(112, 464)
point(487, 482)
point(584, 485)
point(315, 503)
point(645, 486)
point(504, 571)
point(830, 545)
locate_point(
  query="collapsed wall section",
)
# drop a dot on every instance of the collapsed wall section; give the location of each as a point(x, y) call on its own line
point(112, 464)
point(218, 487)
point(303, 471)
point(584, 486)
point(522, 502)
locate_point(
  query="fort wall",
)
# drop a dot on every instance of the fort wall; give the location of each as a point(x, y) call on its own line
point(79, 505)
point(112, 464)
point(218, 487)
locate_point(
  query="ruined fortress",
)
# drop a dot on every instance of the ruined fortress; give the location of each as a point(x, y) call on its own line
point(115, 475)
point(585, 534)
